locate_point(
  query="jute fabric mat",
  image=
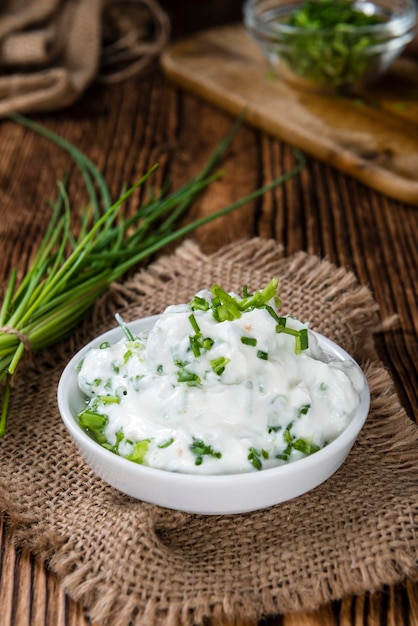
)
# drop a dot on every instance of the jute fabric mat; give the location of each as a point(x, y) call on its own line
point(130, 562)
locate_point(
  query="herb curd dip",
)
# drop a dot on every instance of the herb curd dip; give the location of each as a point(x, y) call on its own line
point(220, 385)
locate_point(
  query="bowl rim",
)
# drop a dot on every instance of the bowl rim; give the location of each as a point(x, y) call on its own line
point(397, 25)
point(64, 391)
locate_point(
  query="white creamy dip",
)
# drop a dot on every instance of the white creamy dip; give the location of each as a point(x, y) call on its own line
point(199, 395)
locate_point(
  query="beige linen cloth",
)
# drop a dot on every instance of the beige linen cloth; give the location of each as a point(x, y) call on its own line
point(51, 50)
point(133, 563)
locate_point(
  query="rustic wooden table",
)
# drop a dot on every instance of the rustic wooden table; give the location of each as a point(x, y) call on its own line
point(125, 129)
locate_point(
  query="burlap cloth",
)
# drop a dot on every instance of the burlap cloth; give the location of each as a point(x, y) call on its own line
point(131, 562)
point(52, 50)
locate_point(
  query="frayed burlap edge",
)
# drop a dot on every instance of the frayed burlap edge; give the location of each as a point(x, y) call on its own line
point(265, 258)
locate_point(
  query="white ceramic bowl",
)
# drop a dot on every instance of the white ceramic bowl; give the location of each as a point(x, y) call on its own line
point(233, 493)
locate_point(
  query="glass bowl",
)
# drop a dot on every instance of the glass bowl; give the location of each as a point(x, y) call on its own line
point(333, 57)
point(206, 494)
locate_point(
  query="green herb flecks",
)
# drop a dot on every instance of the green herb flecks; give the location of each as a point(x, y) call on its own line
point(301, 336)
point(327, 47)
point(127, 355)
point(262, 355)
point(226, 307)
point(201, 343)
point(201, 449)
point(218, 365)
point(119, 437)
point(93, 424)
point(109, 399)
point(260, 299)
point(199, 304)
point(190, 378)
point(166, 444)
point(256, 457)
point(91, 420)
point(248, 341)
point(304, 446)
point(194, 324)
point(293, 443)
point(195, 345)
point(197, 341)
point(139, 451)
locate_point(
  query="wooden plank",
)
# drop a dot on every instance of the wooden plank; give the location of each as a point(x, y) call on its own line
point(372, 137)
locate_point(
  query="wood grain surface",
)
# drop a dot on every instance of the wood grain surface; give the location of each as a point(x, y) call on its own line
point(124, 130)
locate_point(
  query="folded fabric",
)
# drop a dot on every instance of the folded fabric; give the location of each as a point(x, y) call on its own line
point(51, 50)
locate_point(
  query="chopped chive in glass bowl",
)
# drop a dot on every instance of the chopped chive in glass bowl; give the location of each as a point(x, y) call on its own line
point(331, 45)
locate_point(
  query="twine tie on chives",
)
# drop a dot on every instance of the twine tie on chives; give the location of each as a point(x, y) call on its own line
point(21, 336)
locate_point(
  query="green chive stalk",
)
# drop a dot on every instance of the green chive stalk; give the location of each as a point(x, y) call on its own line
point(70, 271)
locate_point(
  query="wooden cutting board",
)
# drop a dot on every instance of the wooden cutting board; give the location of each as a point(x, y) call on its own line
point(372, 136)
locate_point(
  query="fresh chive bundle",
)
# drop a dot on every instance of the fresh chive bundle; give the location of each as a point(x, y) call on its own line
point(70, 271)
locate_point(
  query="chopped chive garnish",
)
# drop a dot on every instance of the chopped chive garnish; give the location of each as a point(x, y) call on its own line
point(305, 447)
point(109, 399)
point(262, 355)
point(195, 345)
point(201, 449)
point(207, 343)
point(167, 443)
point(160, 368)
point(194, 323)
point(224, 306)
point(248, 341)
point(259, 299)
point(287, 437)
point(218, 365)
point(254, 458)
point(115, 447)
point(304, 409)
point(104, 345)
point(199, 304)
point(301, 336)
point(127, 356)
point(273, 313)
point(302, 445)
point(138, 453)
point(189, 378)
point(92, 420)
point(304, 339)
